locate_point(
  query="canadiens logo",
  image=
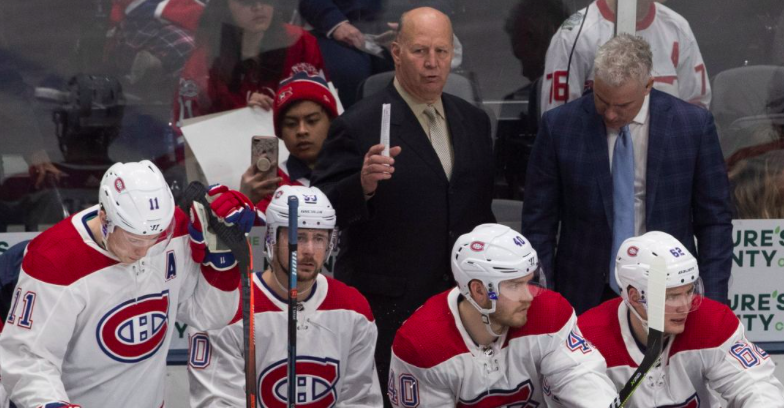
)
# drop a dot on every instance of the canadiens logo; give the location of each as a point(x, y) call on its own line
point(278, 194)
point(284, 94)
point(305, 67)
point(119, 185)
point(135, 330)
point(317, 379)
point(632, 251)
point(519, 397)
point(188, 88)
point(477, 246)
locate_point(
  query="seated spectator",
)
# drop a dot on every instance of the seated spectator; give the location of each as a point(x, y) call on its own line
point(150, 41)
point(677, 62)
point(758, 186)
point(244, 49)
point(303, 110)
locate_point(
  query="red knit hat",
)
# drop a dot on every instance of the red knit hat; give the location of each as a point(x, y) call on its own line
point(302, 87)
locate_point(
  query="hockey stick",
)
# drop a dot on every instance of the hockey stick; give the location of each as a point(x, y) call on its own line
point(656, 293)
point(234, 239)
point(292, 357)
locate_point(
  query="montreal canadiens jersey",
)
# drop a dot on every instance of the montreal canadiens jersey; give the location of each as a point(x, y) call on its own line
point(435, 363)
point(711, 352)
point(88, 329)
point(336, 338)
point(678, 68)
point(182, 13)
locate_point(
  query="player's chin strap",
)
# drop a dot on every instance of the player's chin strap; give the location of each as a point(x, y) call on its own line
point(486, 312)
point(644, 322)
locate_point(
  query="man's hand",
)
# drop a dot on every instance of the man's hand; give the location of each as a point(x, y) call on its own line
point(256, 185)
point(377, 167)
point(41, 167)
point(260, 100)
point(230, 207)
point(349, 35)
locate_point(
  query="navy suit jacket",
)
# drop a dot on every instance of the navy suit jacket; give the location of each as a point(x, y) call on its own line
point(569, 183)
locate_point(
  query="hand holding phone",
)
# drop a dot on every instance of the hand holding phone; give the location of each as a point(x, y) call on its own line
point(261, 178)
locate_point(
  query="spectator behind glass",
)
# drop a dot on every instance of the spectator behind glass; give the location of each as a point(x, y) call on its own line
point(758, 186)
point(303, 110)
point(150, 41)
point(243, 52)
point(678, 68)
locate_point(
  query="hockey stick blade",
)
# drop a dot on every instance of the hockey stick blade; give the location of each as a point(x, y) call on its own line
point(656, 294)
point(234, 239)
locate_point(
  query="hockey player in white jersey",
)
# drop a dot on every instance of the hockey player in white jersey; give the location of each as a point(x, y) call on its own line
point(678, 68)
point(99, 293)
point(497, 339)
point(336, 332)
point(705, 345)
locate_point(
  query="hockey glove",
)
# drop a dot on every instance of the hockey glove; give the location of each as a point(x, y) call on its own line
point(230, 207)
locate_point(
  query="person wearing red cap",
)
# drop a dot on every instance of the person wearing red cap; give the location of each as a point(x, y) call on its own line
point(302, 112)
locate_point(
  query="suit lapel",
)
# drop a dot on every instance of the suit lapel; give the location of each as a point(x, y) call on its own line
point(405, 126)
point(596, 131)
point(658, 139)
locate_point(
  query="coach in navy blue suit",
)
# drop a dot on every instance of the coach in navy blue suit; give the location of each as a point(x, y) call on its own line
point(680, 179)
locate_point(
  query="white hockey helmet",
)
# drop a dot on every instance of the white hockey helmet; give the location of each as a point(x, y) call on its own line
point(491, 254)
point(637, 254)
point(314, 212)
point(137, 199)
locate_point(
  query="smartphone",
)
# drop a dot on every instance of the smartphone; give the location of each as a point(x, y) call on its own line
point(264, 155)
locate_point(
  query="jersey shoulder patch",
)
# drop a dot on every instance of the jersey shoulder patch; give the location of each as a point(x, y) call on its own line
point(707, 327)
point(59, 256)
point(549, 312)
point(573, 21)
point(429, 337)
point(601, 327)
point(343, 297)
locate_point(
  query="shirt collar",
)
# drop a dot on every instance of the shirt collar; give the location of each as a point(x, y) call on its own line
point(642, 115)
point(417, 106)
point(298, 169)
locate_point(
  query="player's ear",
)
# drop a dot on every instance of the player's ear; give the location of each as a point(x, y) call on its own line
point(478, 292)
point(634, 296)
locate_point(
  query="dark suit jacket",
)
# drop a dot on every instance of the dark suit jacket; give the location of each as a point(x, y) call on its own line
point(397, 244)
point(569, 181)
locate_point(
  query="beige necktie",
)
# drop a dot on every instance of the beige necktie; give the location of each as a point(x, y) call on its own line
point(440, 140)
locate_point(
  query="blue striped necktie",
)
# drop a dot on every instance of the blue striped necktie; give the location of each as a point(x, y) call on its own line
point(623, 196)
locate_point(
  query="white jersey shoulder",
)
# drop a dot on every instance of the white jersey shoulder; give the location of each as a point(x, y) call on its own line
point(336, 337)
point(711, 353)
point(678, 67)
point(436, 363)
